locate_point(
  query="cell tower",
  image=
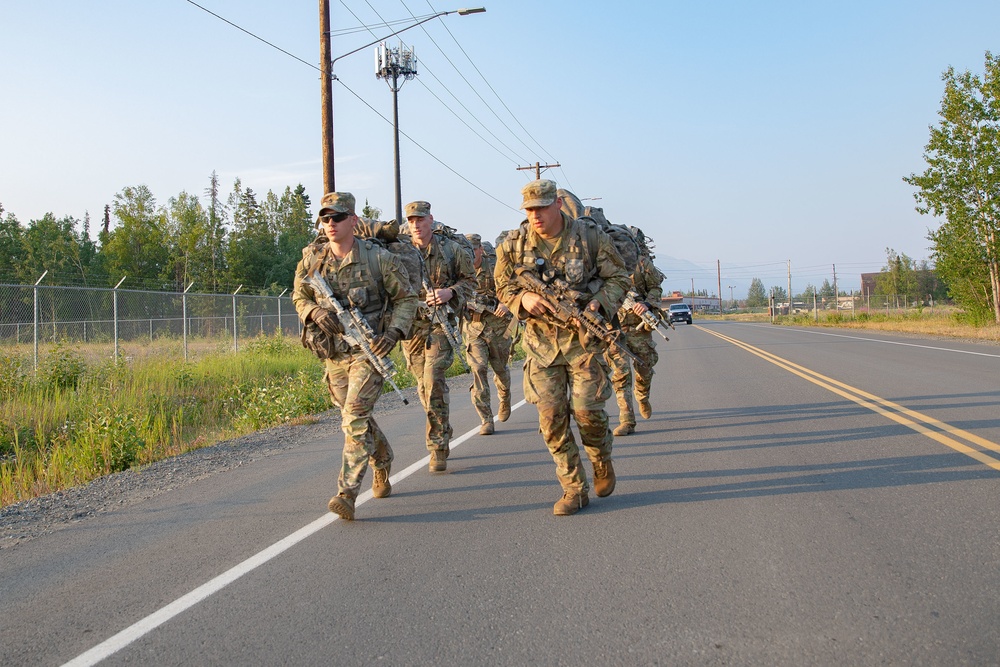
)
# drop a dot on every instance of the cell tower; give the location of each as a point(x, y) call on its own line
point(396, 66)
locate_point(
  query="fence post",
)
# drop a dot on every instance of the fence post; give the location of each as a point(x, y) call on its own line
point(115, 294)
point(236, 342)
point(184, 320)
point(36, 323)
point(281, 330)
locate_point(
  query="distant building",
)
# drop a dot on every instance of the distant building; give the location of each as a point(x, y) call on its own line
point(699, 304)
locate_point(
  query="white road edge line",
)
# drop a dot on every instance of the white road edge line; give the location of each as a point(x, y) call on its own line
point(135, 631)
point(887, 342)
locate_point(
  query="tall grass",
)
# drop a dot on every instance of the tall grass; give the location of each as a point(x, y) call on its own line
point(76, 420)
point(72, 422)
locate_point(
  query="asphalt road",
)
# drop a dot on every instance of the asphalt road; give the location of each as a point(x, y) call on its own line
point(799, 497)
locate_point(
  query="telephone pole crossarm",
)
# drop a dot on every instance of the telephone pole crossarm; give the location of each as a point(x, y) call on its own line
point(538, 168)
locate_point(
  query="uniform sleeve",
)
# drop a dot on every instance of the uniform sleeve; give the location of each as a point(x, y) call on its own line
point(651, 280)
point(303, 296)
point(654, 282)
point(508, 291)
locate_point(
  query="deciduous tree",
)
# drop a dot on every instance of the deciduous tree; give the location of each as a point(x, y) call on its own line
point(962, 185)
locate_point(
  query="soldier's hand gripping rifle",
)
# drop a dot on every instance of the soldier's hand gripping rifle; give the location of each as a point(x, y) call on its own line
point(562, 301)
point(357, 331)
point(439, 314)
point(649, 318)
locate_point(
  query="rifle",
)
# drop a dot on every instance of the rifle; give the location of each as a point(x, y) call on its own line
point(563, 301)
point(649, 318)
point(440, 314)
point(482, 304)
point(357, 331)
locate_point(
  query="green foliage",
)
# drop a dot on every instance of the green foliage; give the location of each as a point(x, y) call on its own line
point(13, 374)
point(899, 276)
point(175, 245)
point(62, 368)
point(78, 421)
point(110, 441)
point(138, 246)
point(11, 248)
point(756, 295)
point(962, 184)
point(279, 400)
point(371, 212)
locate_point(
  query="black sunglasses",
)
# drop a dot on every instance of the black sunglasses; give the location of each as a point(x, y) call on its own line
point(336, 217)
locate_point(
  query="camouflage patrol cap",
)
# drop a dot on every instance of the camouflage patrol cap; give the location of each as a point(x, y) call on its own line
point(418, 209)
point(475, 239)
point(539, 193)
point(338, 202)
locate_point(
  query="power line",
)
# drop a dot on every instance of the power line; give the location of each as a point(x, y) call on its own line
point(471, 87)
point(290, 55)
point(418, 145)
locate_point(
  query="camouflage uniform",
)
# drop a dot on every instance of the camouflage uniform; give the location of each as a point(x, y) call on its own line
point(565, 371)
point(428, 352)
point(375, 281)
point(487, 341)
point(646, 280)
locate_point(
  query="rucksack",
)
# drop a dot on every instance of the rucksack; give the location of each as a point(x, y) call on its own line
point(388, 236)
point(623, 238)
point(451, 233)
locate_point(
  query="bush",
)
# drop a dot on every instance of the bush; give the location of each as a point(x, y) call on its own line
point(62, 368)
point(13, 376)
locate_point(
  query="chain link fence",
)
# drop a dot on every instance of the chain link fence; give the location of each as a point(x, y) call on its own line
point(38, 316)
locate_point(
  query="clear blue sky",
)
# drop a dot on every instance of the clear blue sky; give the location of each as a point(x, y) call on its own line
point(752, 133)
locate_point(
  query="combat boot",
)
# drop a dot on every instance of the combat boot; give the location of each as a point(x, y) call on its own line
point(624, 429)
point(645, 409)
point(571, 503)
point(486, 428)
point(604, 478)
point(504, 412)
point(439, 461)
point(343, 506)
point(381, 486)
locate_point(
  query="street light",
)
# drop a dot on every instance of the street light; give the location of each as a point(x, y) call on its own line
point(329, 178)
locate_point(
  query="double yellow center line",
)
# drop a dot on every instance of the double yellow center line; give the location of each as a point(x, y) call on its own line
point(934, 429)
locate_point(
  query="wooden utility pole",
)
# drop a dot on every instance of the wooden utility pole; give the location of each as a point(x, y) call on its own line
point(326, 95)
point(538, 168)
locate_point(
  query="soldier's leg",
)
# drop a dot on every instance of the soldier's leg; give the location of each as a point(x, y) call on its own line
point(439, 359)
point(621, 380)
point(478, 358)
point(415, 353)
point(546, 388)
point(589, 391)
point(363, 388)
point(380, 460)
point(382, 455)
point(499, 355)
point(641, 344)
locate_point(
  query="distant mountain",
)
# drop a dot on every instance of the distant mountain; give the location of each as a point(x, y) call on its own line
point(680, 268)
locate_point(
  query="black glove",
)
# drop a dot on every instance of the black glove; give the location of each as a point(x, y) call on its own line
point(327, 322)
point(384, 344)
